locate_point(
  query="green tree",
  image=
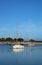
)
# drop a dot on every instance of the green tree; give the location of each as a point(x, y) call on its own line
point(9, 39)
point(2, 39)
point(19, 39)
point(31, 40)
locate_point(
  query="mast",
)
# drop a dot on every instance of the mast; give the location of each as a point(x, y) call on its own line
point(16, 33)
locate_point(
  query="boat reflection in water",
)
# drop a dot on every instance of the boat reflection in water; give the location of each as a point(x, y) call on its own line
point(18, 50)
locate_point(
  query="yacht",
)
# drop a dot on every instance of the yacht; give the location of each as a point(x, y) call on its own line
point(17, 46)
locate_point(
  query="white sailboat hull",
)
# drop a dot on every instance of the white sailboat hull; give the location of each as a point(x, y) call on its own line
point(18, 47)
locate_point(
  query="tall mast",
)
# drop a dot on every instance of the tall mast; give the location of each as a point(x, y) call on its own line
point(16, 33)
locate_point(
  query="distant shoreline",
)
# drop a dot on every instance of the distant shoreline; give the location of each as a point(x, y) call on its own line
point(23, 43)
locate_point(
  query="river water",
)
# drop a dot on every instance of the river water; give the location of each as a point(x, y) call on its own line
point(26, 56)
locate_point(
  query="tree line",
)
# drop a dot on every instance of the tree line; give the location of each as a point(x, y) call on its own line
point(11, 39)
point(14, 40)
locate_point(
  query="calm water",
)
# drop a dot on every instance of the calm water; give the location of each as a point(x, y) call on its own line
point(26, 56)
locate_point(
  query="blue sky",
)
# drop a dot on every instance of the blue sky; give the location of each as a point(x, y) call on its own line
point(26, 13)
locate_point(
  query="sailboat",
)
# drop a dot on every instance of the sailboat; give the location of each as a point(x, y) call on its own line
point(17, 46)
